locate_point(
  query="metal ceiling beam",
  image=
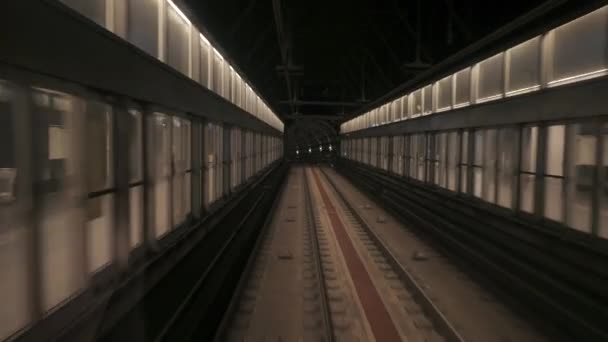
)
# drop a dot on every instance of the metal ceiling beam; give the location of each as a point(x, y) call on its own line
point(418, 63)
point(382, 38)
point(464, 28)
point(241, 18)
point(410, 30)
point(258, 43)
point(314, 117)
point(322, 103)
point(284, 46)
point(389, 84)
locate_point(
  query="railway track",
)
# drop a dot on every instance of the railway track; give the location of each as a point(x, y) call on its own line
point(428, 320)
point(507, 253)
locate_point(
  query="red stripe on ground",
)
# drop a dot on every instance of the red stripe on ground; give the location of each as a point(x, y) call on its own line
point(380, 321)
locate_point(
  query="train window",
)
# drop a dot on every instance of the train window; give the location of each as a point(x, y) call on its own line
point(478, 163)
point(134, 122)
point(489, 165)
point(178, 41)
point(464, 162)
point(579, 48)
point(554, 172)
point(413, 155)
point(53, 133)
point(421, 154)
point(99, 154)
point(529, 143)
point(143, 25)
point(452, 160)
point(462, 82)
point(58, 157)
point(181, 168)
point(603, 169)
point(581, 166)
point(8, 163)
point(490, 78)
point(99, 176)
point(440, 152)
point(406, 155)
point(523, 67)
point(506, 161)
point(159, 126)
point(14, 240)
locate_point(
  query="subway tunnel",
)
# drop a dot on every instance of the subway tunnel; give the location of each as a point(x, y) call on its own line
point(248, 170)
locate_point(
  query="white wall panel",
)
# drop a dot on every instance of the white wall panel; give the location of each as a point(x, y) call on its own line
point(579, 47)
point(490, 77)
point(143, 25)
point(523, 67)
point(178, 41)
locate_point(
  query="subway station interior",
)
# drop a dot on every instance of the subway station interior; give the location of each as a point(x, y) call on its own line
point(247, 170)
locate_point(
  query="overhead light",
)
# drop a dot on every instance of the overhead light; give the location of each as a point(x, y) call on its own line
point(204, 39)
point(578, 78)
point(523, 90)
point(179, 12)
point(217, 53)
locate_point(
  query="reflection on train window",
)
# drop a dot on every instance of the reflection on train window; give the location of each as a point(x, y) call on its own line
point(478, 163)
point(529, 145)
point(98, 146)
point(14, 238)
point(581, 165)
point(99, 175)
point(603, 169)
point(136, 211)
point(464, 168)
point(554, 172)
point(8, 163)
point(489, 168)
point(159, 145)
point(506, 160)
point(181, 169)
point(453, 157)
point(53, 132)
point(57, 157)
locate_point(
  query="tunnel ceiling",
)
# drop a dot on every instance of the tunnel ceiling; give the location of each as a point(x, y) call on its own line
point(336, 56)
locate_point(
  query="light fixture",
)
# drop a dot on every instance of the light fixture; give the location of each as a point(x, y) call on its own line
point(204, 39)
point(217, 53)
point(179, 12)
